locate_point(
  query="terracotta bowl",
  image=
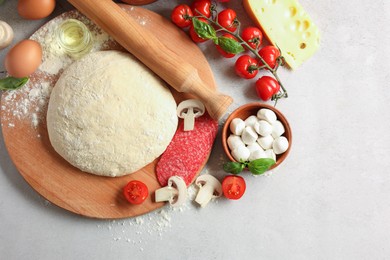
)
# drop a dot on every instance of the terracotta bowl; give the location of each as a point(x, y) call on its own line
point(244, 112)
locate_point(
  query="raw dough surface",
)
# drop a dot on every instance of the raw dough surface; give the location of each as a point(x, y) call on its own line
point(109, 115)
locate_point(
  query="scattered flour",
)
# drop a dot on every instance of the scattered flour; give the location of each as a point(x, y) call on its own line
point(30, 102)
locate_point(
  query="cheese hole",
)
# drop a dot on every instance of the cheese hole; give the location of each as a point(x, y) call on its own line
point(302, 45)
point(262, 10)
point(306, 25)
point(292, 11)
point(297, 24)
point(306, 35)
point(274, 1)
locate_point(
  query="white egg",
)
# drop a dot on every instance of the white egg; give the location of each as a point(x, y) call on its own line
point(237, 125)
point(265, 141)
point(267, 115)
point(280, 145)
point(249, 135)
point(241, 153)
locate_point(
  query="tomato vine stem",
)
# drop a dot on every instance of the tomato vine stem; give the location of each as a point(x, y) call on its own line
point(280, 61)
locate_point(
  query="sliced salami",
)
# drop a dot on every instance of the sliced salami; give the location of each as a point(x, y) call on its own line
point(188, 151)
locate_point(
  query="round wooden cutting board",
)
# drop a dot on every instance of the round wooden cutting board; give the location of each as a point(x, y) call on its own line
point(23, 120)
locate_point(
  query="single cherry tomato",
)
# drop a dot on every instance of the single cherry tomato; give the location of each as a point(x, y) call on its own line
point(222, 51)
point(136, 192)
point(270, 54)
point(227, 19)
point(246, 67)
point(253, 36)
point(233, 187)
point(202, 6)
point(194, 36)
point(266, 87)
point(181, 16)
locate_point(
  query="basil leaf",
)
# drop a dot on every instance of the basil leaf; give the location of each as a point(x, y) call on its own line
point(233, 167)
point(204, 30)
point(259, 166)
point(11, 83)
point(229, 45)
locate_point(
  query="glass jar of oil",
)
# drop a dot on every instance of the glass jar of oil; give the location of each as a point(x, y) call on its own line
point(74, 38)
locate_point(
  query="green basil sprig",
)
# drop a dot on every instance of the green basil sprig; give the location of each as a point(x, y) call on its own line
point(256, 167)
point(11, 83)
point(206, 31)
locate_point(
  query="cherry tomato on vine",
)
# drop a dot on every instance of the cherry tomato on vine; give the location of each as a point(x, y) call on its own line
point(194, 36)
point(202, 6)
point(135, 192)
point(181, 16)
point(227, 19)
point(266, 87)
point(253, 36)
point(246, 67)
point(233, 187)
point(270, 54)
point(223, 52)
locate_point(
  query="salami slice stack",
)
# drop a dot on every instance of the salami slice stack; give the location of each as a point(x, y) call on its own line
point(188, 151)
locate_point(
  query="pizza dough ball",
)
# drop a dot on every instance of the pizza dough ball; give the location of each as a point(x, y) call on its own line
point(110, 115)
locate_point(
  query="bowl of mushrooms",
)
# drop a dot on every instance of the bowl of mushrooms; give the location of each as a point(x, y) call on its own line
point(255, 131)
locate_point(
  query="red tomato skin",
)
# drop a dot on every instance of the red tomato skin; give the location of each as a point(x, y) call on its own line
point(180, 14)
point(202, 6)
point(253, 36)
point(266, 87)
point(135, 192)
point(233, 187)
point(243, 67)
point(227, 19)
point(223, 52)
point(269, 54)
point(194, 36)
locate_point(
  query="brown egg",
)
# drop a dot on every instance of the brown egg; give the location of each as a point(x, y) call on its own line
point(23, 59)
point(35, 9)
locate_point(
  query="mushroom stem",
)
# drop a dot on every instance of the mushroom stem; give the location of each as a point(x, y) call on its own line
point(166, 194)
point(204, 195)
point(189, 119)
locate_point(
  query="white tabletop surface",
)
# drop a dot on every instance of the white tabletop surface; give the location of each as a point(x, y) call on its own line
point(329, 200)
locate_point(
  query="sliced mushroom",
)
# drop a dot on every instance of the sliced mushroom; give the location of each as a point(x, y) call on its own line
point(6, 35)
point(209, 188)
point(189, 110)
point(175, 192)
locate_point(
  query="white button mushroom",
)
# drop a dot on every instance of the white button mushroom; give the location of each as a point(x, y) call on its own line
point(234, 141)
point(6, 35)
point(175, 192)
point(237, 125)
point(250, 121)
point(278, 129)
point(267, 115)
point(189, 110)
point(265, 141)
point(209, 188)
point(257, 154)
point(280, 145)
point(249, 135)
point(263, 128)
point(270, 154)
point(241, 153)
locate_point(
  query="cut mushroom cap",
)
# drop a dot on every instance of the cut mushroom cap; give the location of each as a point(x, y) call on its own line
point(189, 110)
point(175, 192)
point(209, 188)
point(6, 34)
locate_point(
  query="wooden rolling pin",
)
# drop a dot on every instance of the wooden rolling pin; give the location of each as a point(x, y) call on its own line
point(176, 71)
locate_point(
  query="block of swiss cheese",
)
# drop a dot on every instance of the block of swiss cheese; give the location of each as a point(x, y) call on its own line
point(286, 25)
